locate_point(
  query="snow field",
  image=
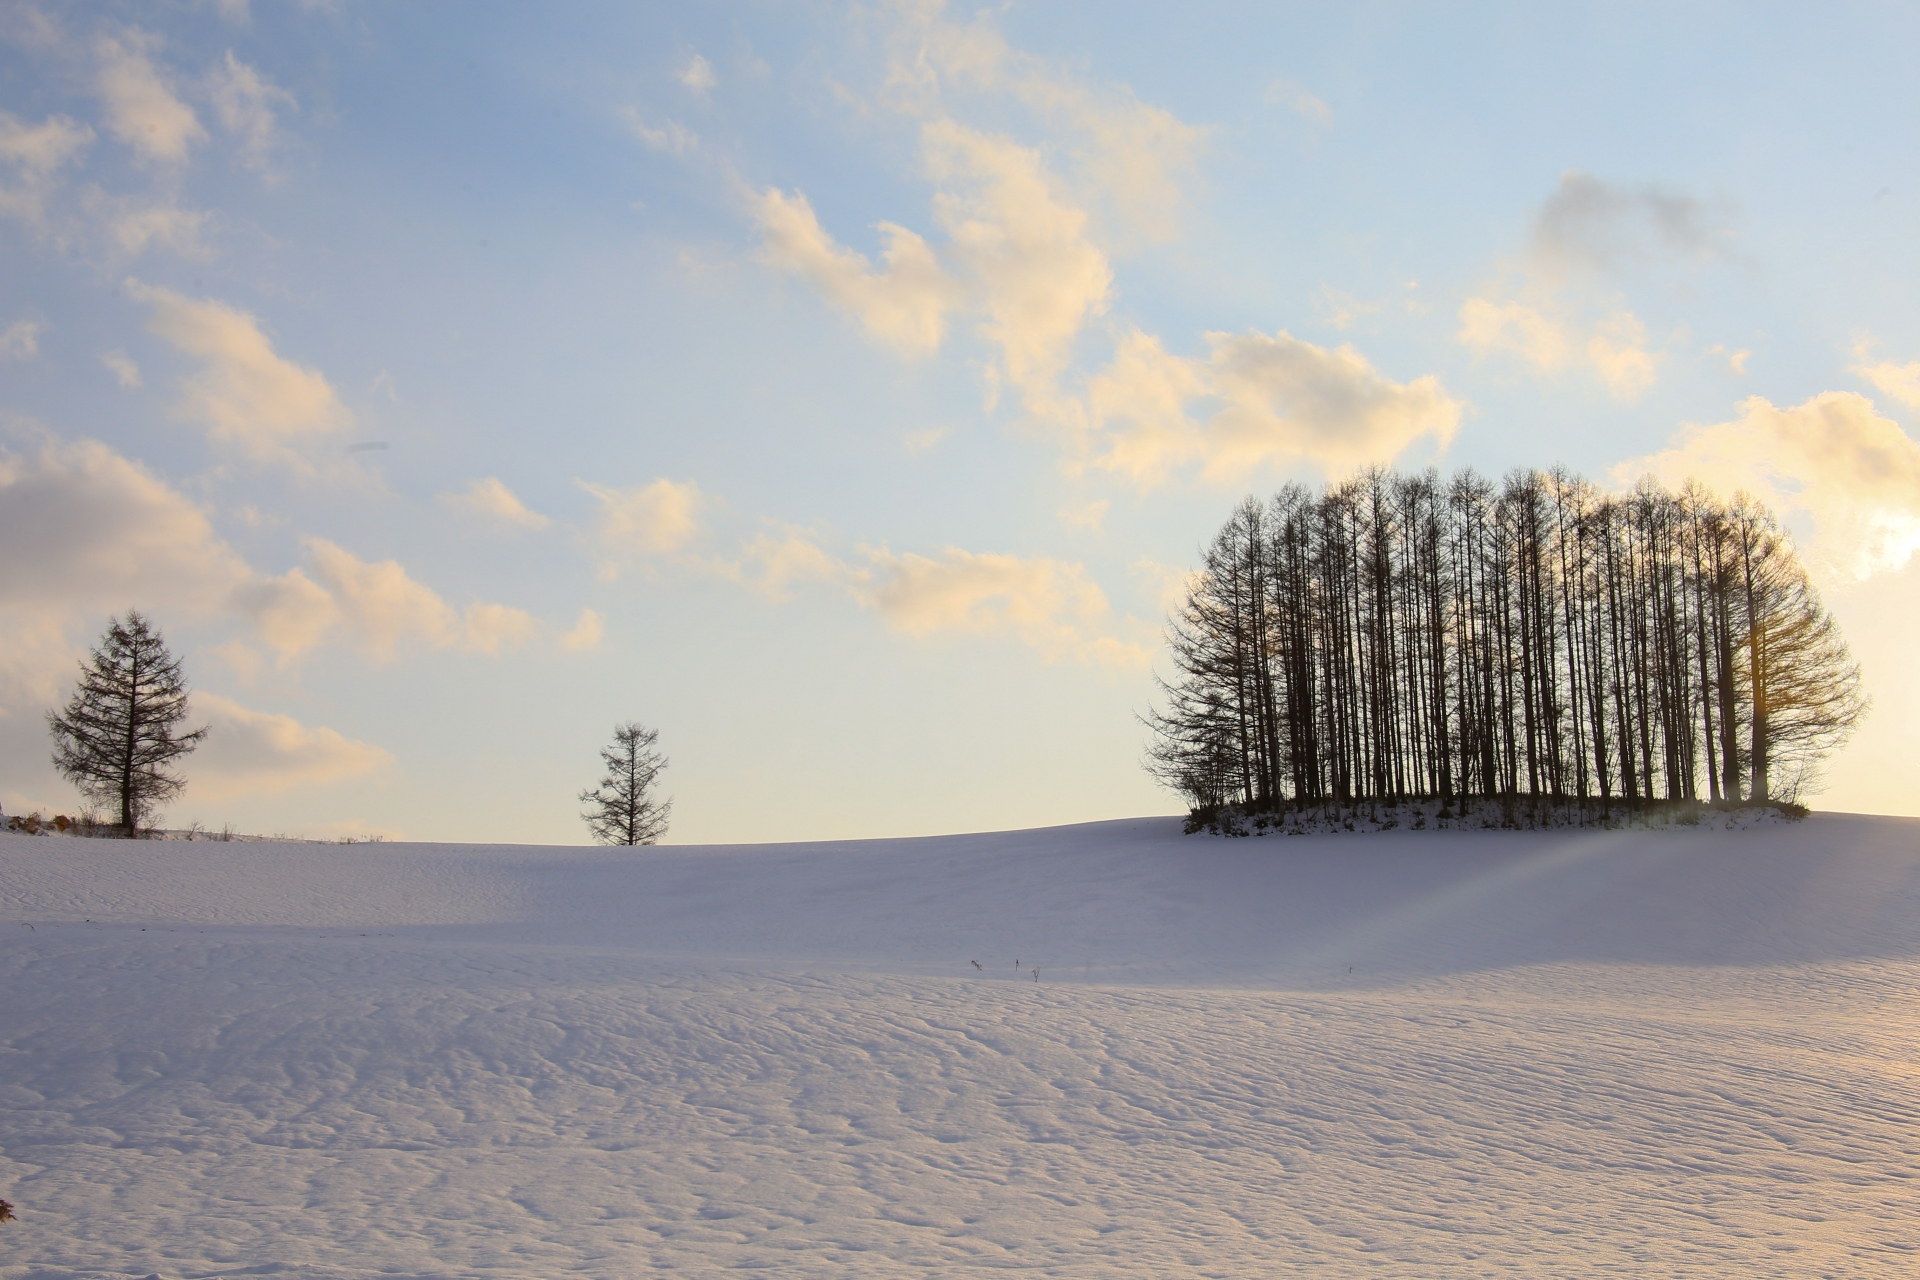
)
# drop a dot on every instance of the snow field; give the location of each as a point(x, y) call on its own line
point(1583, 1054)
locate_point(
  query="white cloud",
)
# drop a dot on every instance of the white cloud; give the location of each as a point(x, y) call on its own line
point(21, 340)
point(1290, 93)
point(673, 138)
point(376, 605)
point(904, 306)
point(1284, 401)
point(244, 100)
point(246, 394)
point(125, 371)
point(698, 74)
point(492, 500)
point(253, 752)
point(643, 522)
point(1832, 457)
point(142, 110)
point(586, 635)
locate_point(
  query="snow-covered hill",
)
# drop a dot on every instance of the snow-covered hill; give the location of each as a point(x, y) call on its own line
point(1411, 1053)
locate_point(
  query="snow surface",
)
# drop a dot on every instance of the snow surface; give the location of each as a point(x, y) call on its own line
point(1417, 1053)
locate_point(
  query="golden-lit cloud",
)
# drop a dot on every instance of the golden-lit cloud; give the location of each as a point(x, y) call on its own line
point(251, 752)
point(1831, 458)
point(1051, 606)
point(33, 154)
point(246, 394)
point(643, 522)
point(1900, 382)
point(1613, 348)
point(245, 102)
point(490, 499)
point(1281, 402)
point(903, 306)
point(142, 111)
point(375, 605)
point(587, 633)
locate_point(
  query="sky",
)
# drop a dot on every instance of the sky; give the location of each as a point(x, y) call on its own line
point(844, 390)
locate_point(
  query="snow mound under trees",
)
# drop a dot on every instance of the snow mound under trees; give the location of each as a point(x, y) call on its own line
point(1577, 1053)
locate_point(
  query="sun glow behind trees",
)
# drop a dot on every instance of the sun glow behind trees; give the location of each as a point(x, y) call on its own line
point(1398, 636)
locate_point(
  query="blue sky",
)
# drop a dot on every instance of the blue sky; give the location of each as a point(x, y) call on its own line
point(843, 389)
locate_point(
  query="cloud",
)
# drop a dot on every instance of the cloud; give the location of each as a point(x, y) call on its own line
point(586, 634)
point(1017, 256)
point(923, 439)
point(133, 227)
point(1050, 605)
point(244, 100)
point(643, 522)
point(1292, 94)
point(89, 533)
point(36, 152)
point(492, 500)
point(376, 605)
point(1590, 225)
point(1832, 457)
point(125, 371)
point(1124, 154)
point(86, 528)
point(43, 147)
point(698, 74)
point(1089, 516)
point(1899, 381)
point(141, 108)
point(21, 340)
point(673, 138)
point(1736, 360)
point(1613, 349)
point(246, 394)
point(904, 306)
point(253, 752)
point(1282, 401)
point(1038, 277)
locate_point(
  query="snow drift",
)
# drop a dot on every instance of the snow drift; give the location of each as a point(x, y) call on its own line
point(1092, 1050)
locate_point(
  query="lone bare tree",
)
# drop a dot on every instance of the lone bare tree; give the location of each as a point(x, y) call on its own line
point(117, 738)
point(622, 809)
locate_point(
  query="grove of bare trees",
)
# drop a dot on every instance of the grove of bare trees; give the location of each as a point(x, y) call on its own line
point(1404, 636)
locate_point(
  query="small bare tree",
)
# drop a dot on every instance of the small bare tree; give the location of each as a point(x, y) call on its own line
point(622, 809)
point(116, 740)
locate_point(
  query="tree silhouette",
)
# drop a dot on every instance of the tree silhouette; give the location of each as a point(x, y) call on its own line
point(622, 809)
point(117, 737)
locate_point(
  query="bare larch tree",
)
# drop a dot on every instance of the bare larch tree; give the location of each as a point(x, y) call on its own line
point(622, 809)
point(118, 737)
point(1408, 636)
